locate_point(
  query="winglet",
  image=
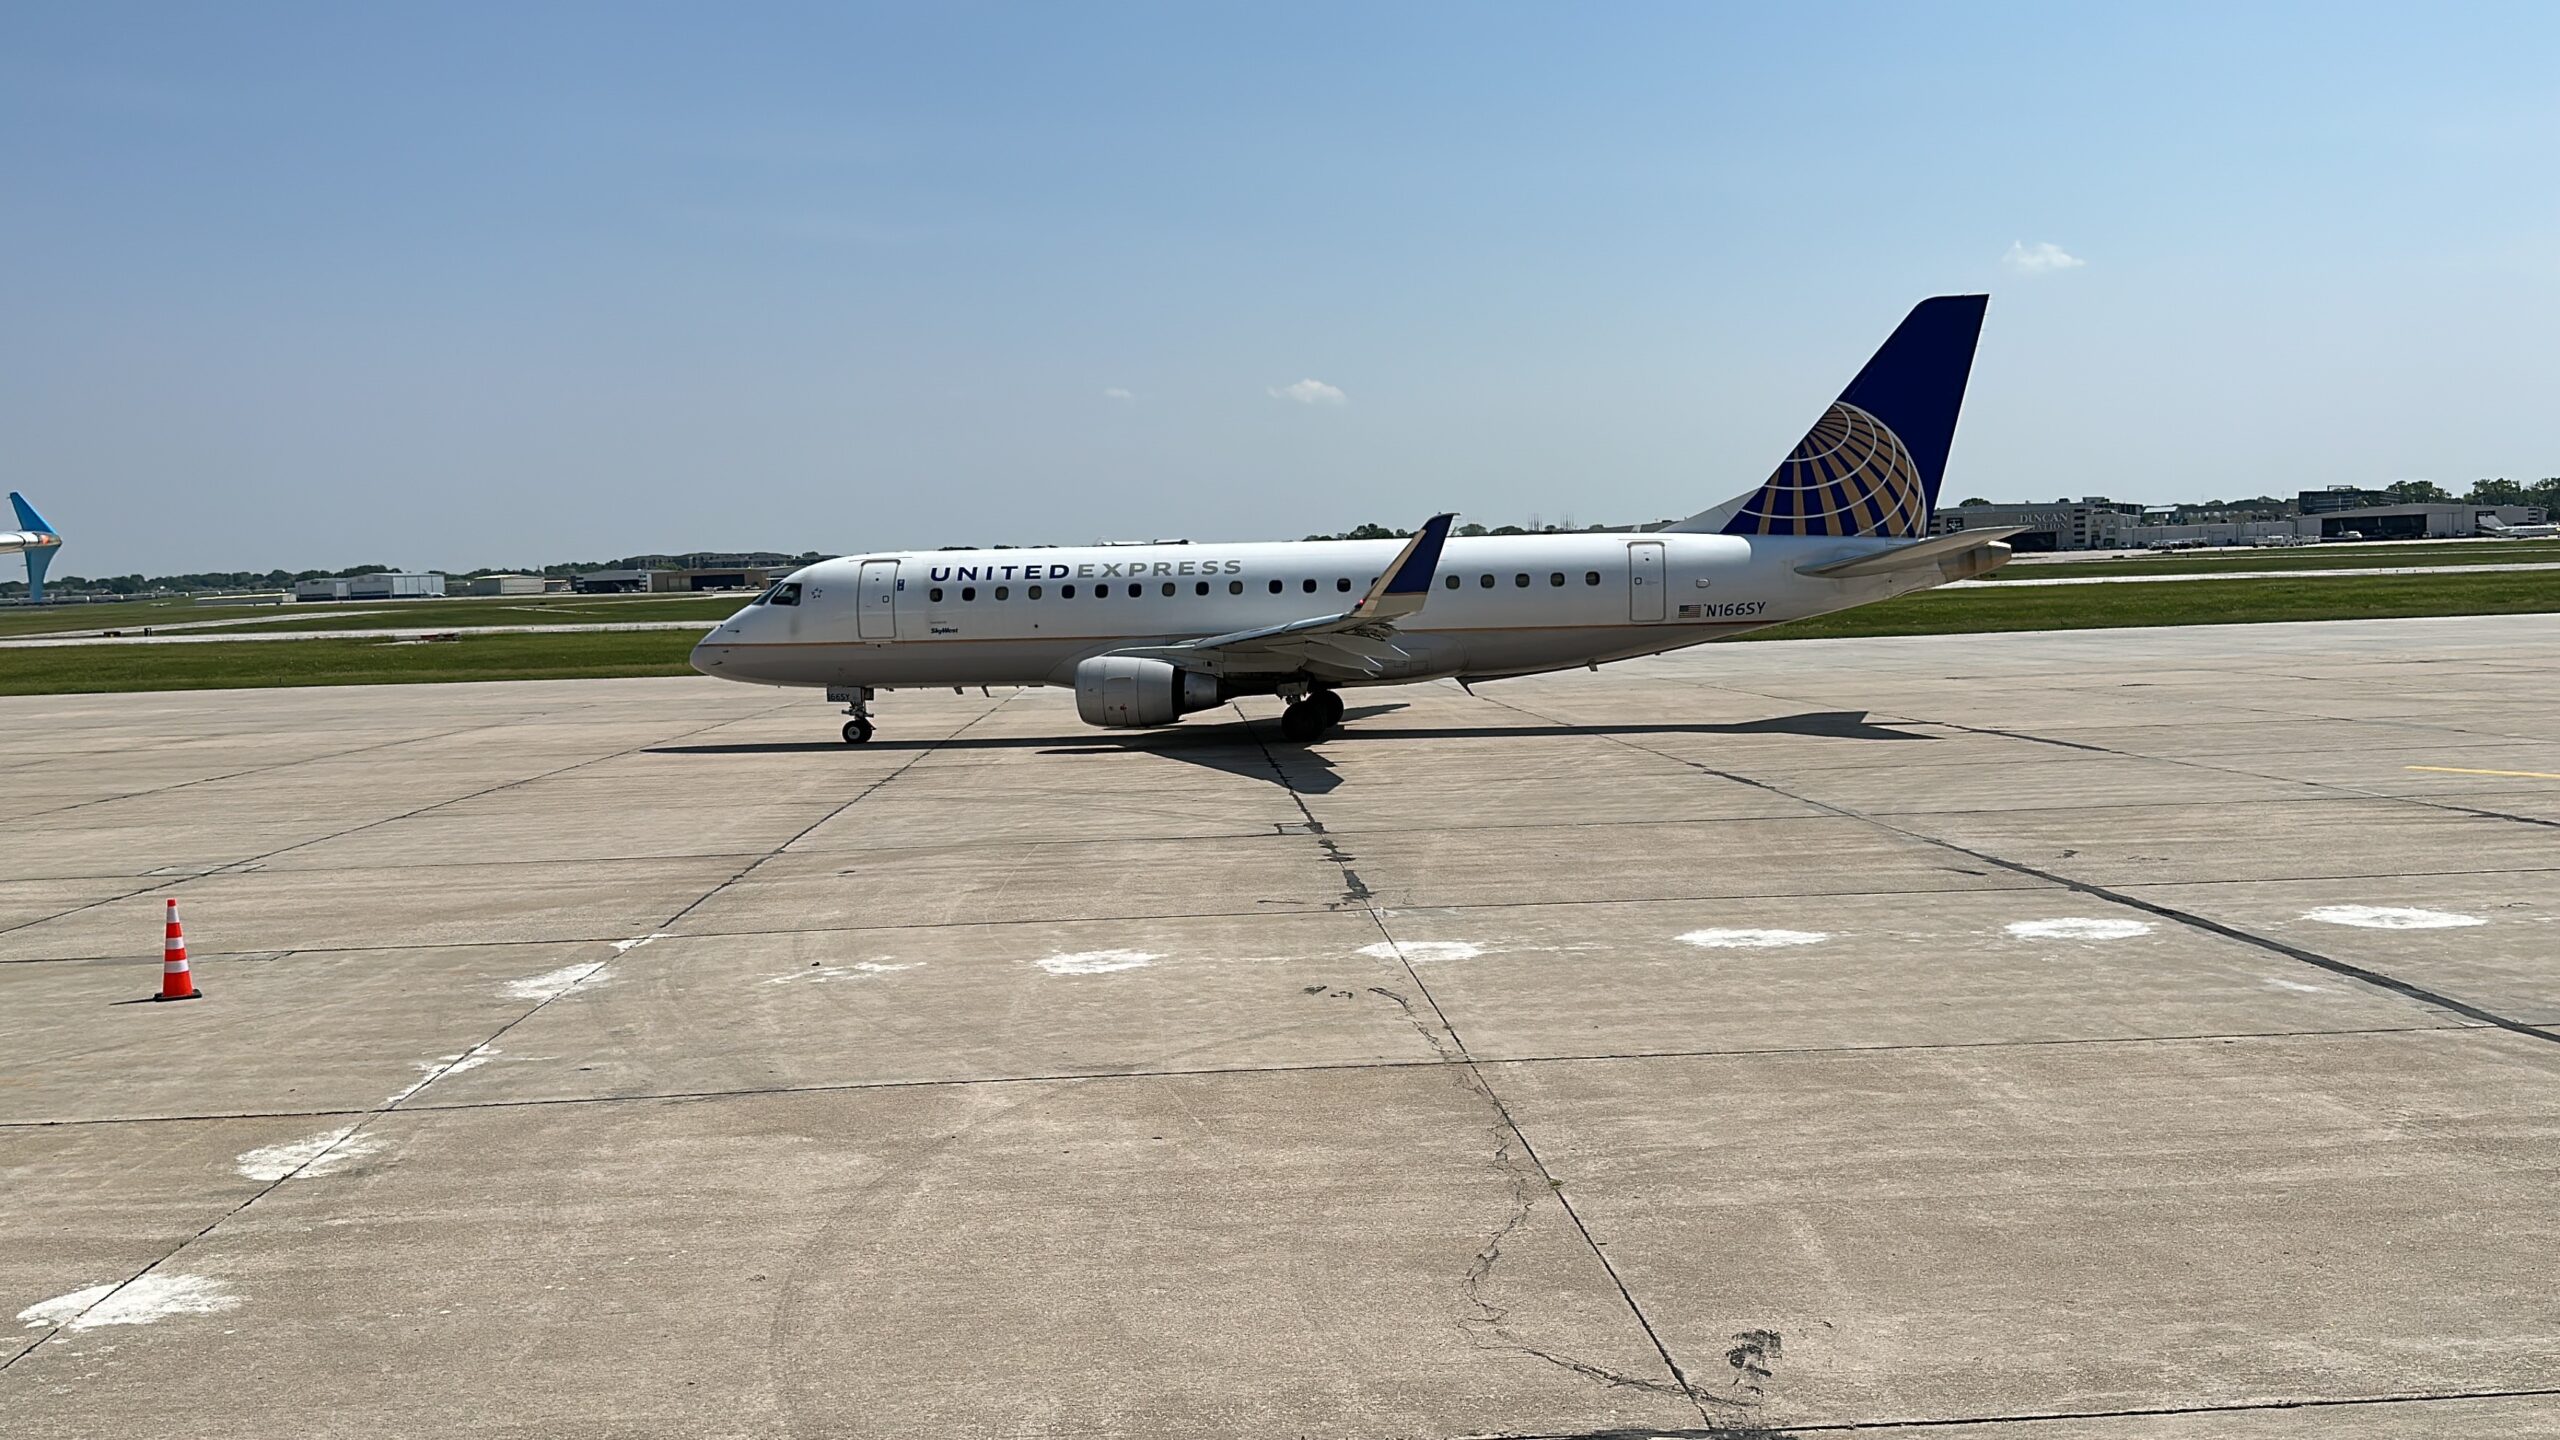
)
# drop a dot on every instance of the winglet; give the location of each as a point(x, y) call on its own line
point(28, 519)
point(1407, 583)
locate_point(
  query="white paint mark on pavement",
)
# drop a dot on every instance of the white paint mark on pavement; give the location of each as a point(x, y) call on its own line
point(2390, 917)
point(1753, 939)
point(322, 1154)
point(1423, 952)
point(2297, 985)
point(555, 984)
point(2079, 928)
point(1097, 962)
point(625, 947)
point(152, 1297)
point(858, 970)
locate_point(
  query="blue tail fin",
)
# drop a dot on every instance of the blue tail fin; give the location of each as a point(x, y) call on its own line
point(39, 557)
point(1872, 463)
point(28, 519)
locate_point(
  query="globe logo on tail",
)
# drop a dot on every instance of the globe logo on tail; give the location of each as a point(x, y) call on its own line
point(1850, 475)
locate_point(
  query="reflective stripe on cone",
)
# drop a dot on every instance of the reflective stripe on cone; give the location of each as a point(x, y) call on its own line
point(177, 982)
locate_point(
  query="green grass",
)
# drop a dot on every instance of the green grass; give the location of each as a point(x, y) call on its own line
point(86, 669)
point(2201, 602)
point(75, 669)
point(373, 614)
point(2308, 557)
point(487, 614)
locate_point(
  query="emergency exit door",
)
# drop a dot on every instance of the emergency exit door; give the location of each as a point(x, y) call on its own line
point(878, 617)
point(1645, 591)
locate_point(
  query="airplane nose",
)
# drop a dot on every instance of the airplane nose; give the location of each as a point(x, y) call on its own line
point(708, 655)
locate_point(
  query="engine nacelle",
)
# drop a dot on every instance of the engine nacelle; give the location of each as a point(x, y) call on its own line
point(1122, 690)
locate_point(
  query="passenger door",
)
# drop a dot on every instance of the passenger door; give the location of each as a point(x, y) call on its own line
point(1646, 592)
point(877, 617)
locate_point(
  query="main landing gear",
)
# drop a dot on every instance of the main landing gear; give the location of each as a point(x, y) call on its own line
point(858, 705)
point(1307, 718)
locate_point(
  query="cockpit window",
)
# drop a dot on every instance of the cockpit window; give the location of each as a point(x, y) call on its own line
point(786, 593)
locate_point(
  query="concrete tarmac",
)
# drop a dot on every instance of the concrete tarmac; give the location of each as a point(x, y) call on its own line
point(2127, 1034)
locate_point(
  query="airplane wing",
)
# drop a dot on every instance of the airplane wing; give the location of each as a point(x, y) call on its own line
point(1353, 644)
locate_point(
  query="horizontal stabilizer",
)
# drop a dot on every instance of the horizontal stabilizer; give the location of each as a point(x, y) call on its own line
point(1908, 557)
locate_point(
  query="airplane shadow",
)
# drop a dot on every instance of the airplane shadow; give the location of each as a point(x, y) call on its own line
point(1254, 750)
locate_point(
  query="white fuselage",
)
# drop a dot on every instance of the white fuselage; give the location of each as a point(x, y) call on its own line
point(13, 541)
point(1499, 605)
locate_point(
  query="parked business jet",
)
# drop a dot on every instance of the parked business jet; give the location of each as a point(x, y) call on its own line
point(1147, 633)
point(34, 539)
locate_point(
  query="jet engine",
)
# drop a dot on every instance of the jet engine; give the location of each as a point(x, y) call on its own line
point(1124, 690)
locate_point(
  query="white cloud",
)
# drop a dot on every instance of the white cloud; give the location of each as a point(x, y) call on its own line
point(2042, 258)
point(1116, 393)
point(1309, 392)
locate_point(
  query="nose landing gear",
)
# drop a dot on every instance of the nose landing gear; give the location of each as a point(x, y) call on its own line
point(858, 705)
point(1310, 717)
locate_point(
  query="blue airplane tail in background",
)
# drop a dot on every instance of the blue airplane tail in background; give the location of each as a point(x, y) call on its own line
point(1872, 464)
point(39, 555)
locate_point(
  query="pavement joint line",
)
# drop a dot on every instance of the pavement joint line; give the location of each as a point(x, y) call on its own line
point(665, 928)
point(837, 1087)
point(2357, 792)
point(1309, 908)
point(2048, 1417)
point(173, 882)
point(269, 769)
point(1482, 1084)
point(349, 1132)
point(2375, 978)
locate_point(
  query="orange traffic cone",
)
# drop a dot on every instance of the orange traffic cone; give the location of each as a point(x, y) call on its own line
point(176, 981)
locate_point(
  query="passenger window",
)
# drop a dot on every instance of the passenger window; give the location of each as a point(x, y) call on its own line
point(1235, 587)
point(1590, 577)
point(1275, 587)
point(1342, 585)
point(1451, 584)
point(1066, 592)
point(1033, 592)
point(1307, 585)
point(1137, 590)
point(1521, 580)
point(1168, 588)
point(1004, 592)
point(1556, 579)
point(968, 592)
point(934, 595)
point(1486, 582)
point(1200, 588)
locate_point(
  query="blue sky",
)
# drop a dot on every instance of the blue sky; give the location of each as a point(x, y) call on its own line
point(457, 284)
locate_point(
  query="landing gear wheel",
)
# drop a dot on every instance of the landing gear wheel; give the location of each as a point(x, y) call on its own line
point(856, 731)
point(1327, 704)
point(1304, 721)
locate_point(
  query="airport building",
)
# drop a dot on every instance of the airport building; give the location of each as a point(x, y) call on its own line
point(2371, 522)
point(2092, 523)
point(672, 581)
point(502, 585)
point(2339, 513)
point(382, 585)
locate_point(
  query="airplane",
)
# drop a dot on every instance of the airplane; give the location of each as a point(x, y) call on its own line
point(33, 538)
point(1146, 633)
